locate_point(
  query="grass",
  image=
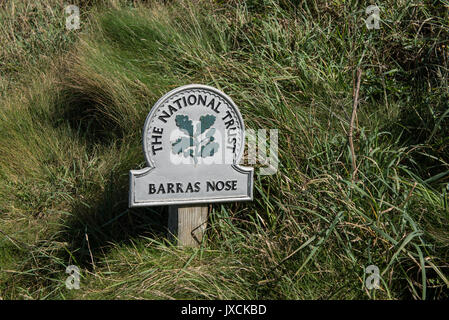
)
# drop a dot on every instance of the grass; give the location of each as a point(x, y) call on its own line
point(73, 104)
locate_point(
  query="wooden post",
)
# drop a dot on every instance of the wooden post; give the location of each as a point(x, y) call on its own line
point(187, 224)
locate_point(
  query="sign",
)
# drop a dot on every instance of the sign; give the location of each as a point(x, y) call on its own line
point(193, 141)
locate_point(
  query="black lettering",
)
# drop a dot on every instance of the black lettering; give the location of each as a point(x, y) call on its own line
point(157, 135)
point(229, 123)
point(230, 134)
point(161, 189)
point(216, 108)
point(179, 187)
point(164, 115)
point(158, 130)
point(177, 103)
point(152, 189)
point(189, 188)
point(219, 185)
point(191, 102)
point(228, 114)
point(172, 109)
point(211, 103)
point(154, 149)
point(201, 100)
point(155, 141)
point(197, 186)
point(170, 187)
point(210, 185)
point(234, 144)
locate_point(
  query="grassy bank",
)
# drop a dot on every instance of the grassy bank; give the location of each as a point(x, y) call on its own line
point(73, 104)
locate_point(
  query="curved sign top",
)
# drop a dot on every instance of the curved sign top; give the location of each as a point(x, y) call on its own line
point(193, 140)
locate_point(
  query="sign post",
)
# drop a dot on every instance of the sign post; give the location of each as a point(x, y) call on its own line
point(187, 224)
point(193, 141)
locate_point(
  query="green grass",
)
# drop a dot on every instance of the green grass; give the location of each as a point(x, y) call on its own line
point(73, 104)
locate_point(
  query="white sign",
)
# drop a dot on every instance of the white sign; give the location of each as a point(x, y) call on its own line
point(193, 140)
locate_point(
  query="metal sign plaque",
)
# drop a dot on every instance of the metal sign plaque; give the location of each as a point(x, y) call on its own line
point(193, 140)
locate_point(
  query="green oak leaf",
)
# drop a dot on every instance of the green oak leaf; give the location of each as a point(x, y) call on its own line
point(184, 124)
point(181, 145)
point(210, 133)
point(209, 149)
point(189, 145)
point(206, 122)
point(189, 153)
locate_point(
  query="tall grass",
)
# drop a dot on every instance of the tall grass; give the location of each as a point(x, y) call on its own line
point(69, 137)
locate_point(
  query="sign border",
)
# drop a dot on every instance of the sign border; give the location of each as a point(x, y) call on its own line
point(150, 165)
point(142, 172)
point(175, 91)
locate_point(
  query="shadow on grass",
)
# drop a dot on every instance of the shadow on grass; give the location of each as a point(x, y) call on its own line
point(96, 226)
point(100, 220)
point(84, 116)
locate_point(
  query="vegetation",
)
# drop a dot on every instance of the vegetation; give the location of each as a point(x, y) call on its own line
point(73, 104)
